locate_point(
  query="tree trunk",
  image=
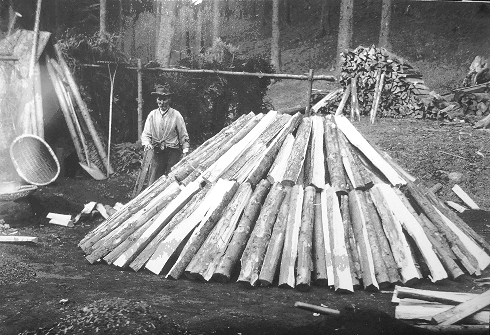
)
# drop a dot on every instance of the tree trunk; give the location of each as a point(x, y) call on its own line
point(384, 32)
point(199, 42)
point(297, 157)
point(345, 29)
point(103, 17)
point(305, 241)
point(166, 30)
point(276, 35)
point(216, 22)
point(333, 157)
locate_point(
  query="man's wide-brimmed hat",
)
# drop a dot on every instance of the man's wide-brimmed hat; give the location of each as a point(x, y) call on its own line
point(162, 90)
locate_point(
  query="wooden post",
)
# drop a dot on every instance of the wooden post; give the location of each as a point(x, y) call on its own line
point(140, 99)
point(310, 88)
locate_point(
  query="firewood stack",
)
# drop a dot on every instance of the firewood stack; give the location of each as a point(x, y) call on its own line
point(386, 83)
point(291, 201)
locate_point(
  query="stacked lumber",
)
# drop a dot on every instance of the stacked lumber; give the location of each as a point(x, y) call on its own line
point(291, 201)
point(444, 312)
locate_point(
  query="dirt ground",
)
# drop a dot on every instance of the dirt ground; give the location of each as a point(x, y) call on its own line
point(49, 286)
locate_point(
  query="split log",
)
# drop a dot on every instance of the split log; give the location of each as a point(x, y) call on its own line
point(327, 240)
point(305, 241)
point(355, 170)
point(443, 297)
point(278, 168)
point(209, 210)
point(341, 266)
point(276, 244)
point(297, 156)
point(182, 214)
point(205, 260)
point(290, 250)
point(18, 239)
point(241, 235)
point(319, 262)
point(359, 216)
point(350, 241)
point(244, 160)
point(411, 225)
point(316, 309)
point(333, 158)
point(399, 245)
point(465, 197)
point(317, 173)
point(427, 312)
point(355, 113)
point(455, 206)
point(254, 252)
point(264, 165)
point(345, 97)
point(202, 230)
point(277, 125)
point(360, 142)
point(161, 220)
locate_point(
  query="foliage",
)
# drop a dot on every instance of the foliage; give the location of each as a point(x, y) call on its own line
point(127, 157)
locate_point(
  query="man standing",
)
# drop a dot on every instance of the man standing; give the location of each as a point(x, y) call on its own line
point(166, 133)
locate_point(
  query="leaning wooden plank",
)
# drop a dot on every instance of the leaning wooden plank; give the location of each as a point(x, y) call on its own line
point(343, 101)
point(254, 253)
point(290, 250)
point(318, 159)
point(427, 312)
point(411, 225)
point(359, 218)
point(396, 238)
point(206, 210)
point(325, 100)
point(18, 239)
point(319, 263)
point(278, 168)
point(456, 329)
point(241, 235)
point(207, 258)
point(304, 266)
point(276, 244)
point(228, 158)
point(202, 230)
point(333, 157)
point(360, 142)
point(163, 218)
point(327, 240)
point(465, 197)
point(341, 266)
point(298, 153)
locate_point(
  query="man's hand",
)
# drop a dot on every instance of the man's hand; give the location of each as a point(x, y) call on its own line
point(148, 147)
point(185, 152)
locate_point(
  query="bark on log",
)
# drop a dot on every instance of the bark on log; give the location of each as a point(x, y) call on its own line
point(215, 243)
point(241, 234)
point(377, 95)
point(305, 241)
point(244, 160)
point(354, 103)
point(319, 262)
point(345, 97)
point(297, 156)
point(350, 242)
point(290, 250)
point(254, 253)
point(355, 170)
point(276, 244)
point(274, 129)
point(334, 160)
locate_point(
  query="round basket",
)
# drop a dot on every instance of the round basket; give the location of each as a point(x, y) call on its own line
point(34, 160)
point(20, 192)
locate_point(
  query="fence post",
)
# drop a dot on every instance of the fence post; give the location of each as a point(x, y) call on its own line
point(310, 88)
point(140, 100)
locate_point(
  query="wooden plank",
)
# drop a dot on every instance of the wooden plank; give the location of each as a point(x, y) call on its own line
point(465, 197)
point(18, 239)
point(316, 309)
point(455, 206)
point(427, 312)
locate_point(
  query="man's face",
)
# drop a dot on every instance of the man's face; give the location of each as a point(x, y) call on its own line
point(163, 102)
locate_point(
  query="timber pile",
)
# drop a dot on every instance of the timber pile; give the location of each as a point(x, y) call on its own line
point(292, 201)
point(443, 312)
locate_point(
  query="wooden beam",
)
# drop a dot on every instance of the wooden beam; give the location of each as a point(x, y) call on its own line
point(465, 197)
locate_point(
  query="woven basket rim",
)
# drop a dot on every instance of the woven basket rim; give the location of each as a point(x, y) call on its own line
point(22, 191)
point(19, 168)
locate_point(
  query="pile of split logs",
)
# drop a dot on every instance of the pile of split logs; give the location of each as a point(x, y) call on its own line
point(289, 201)
point(447, 312)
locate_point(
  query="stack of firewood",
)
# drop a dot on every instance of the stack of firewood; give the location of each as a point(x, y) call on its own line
point(447, 312)
point(287, 200)
point(386, 83)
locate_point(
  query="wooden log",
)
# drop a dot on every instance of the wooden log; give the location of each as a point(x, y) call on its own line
point(298, 153)
point(316, 309)
point(418, 296)
point(241, 234)
point(345, 97)
point(326, 100)
point(276, 244)
point(465, 197)
point(399, 245)
point(305, 241)
point(350, 241)
point(319, 262)
point(278, 168)
point(317, 173)
point(207, 258)
point(161, 220)
point(341, 266)
point(360, 142)
point(411, 225)
point(384, 246)
point(209, 209)
point(334, 161)
point(327, 240)
point(244, 160)
point(359, 216)
point(244, 173)
point(290, 250)
point(182, 214)
point(202, 231)
point(354, 169)
point(260, 170)
point(455, 329)
point(377, 95)
point(18, 239)
point(436, 188)
point(354, 104)
point(277, 125)
point(254, 252)
point(427, 312)
point(457, 207)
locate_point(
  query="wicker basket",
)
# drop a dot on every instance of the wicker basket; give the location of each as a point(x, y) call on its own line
point(17, 193)
point(34, 160)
